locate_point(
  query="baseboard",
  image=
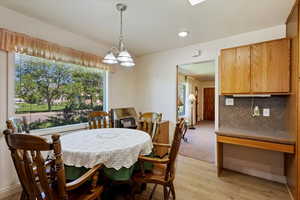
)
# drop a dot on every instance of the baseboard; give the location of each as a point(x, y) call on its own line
point(289, 191)
point(10, 190)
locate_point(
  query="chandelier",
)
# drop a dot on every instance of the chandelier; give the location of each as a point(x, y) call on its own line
point(119, 55)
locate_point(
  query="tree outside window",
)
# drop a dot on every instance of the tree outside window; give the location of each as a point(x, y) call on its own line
point(50, 94)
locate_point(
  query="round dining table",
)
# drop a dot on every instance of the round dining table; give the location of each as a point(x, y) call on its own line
point(116, 148)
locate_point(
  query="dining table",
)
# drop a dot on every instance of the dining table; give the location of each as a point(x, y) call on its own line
point(117, 149)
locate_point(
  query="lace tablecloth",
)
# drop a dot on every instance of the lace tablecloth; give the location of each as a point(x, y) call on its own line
point(113, 147)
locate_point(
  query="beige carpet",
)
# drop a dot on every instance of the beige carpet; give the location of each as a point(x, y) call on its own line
point(200, 143)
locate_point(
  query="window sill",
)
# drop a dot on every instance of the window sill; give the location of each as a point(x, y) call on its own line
point(59, 129)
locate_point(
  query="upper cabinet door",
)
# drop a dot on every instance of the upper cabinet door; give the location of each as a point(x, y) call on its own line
point(270, 67)
point(235, 70)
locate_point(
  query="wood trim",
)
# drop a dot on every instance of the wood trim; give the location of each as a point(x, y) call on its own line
point(219, 158)
point(177, 71)
point(291, 13)
point(292, 161)
point(285, 148)
point(258, 93)
point(267, 41)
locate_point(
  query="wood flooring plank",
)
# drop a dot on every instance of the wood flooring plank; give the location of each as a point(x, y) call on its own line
point(197, 180)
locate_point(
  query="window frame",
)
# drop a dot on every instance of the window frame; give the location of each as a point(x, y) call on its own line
point(46, 131)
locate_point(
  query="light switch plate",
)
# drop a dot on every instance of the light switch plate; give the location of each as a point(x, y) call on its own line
point(229, 101)
point(266, 112)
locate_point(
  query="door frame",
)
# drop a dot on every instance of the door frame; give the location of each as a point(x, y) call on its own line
point(202, 103)
point(217, 62)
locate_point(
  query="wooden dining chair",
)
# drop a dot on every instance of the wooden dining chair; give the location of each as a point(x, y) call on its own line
point(17, 125)
point(164, 168)
point(150, 127)
point(149, 122)
point(99, 119)
point(184, 128)
point(153, 116)
point(45, 180)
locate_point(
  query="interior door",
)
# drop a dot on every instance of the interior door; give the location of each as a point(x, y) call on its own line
point(209, 104)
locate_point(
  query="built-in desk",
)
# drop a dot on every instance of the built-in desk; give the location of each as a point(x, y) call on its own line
point(274, 141)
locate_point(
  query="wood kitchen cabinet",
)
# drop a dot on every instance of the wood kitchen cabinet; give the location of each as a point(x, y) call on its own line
point(235, 70)
point(270, 67)
point(257, 68)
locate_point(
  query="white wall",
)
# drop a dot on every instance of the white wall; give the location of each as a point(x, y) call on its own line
point(121, 82)
point(156, 89)
point(8, 178)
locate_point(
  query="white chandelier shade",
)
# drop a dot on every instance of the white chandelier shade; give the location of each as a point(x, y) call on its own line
point(127, 64)
point(110, 59)
point(124, 56)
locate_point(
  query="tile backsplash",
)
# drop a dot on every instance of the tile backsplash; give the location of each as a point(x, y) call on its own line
point(240, 114)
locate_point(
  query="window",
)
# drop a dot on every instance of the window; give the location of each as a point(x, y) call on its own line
point(182, 98)
point(50, 94)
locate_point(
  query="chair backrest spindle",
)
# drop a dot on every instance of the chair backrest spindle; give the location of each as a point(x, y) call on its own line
point(170, 174)
point(99, 119)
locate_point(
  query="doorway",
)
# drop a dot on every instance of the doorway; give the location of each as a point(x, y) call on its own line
point(196, 104)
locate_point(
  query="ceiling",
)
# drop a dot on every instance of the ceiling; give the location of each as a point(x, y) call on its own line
point(202, 71)
point(152, 25)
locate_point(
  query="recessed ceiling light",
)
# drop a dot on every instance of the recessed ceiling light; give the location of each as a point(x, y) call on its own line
point(183, 34)
point(195, 2)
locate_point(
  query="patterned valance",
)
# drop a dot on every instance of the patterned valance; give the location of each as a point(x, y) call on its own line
point(22, 43)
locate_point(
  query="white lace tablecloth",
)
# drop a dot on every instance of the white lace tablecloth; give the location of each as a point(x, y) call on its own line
point(113, 147)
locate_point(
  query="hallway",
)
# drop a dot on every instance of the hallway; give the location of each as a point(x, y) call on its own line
point(200, 143)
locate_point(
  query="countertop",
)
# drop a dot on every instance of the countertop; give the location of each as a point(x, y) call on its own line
point(268, 136)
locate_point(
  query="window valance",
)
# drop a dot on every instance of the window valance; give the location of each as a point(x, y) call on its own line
point(22, 43)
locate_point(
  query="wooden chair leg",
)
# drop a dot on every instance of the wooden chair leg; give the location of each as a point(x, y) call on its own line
point(152, 192)
point(166, 193)
point(172, 188)
point(24, 196)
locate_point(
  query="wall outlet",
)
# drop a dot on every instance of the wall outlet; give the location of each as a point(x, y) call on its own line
point(229, 101)
point(266, 112)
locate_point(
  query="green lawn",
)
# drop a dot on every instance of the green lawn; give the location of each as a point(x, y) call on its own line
point(26, 107)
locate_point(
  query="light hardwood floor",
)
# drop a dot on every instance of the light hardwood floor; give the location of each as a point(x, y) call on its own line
point(197, 180)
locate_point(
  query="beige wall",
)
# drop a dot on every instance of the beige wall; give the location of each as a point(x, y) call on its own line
point(8, 180)
point(121, 82)
point(156, 78)
point(121, 87)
